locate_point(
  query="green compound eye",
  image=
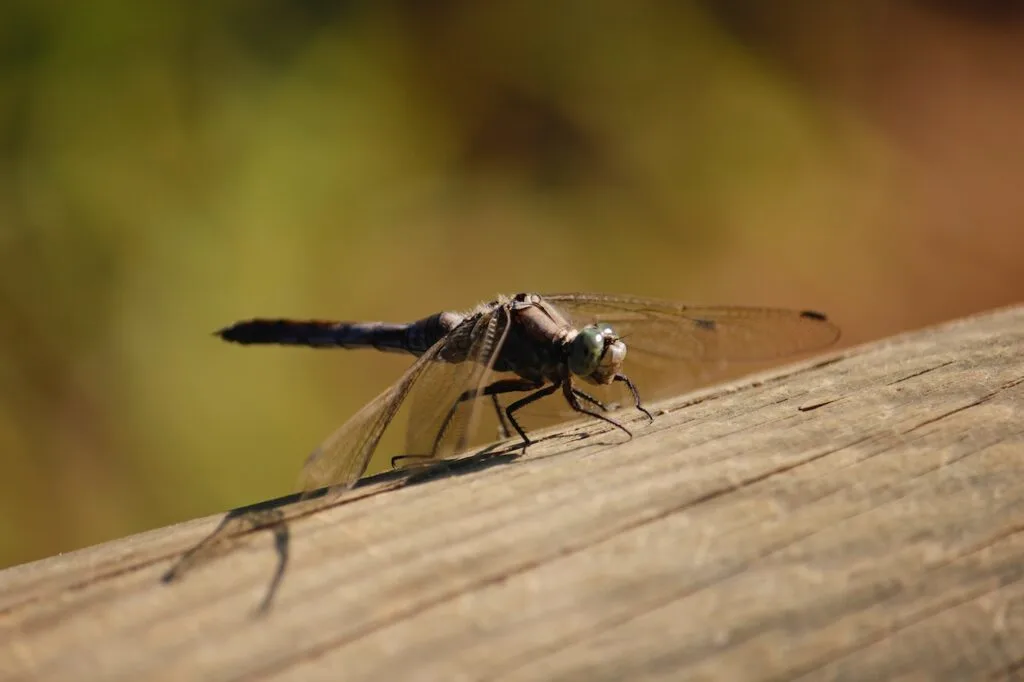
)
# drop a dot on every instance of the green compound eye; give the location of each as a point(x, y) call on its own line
point(587, 348)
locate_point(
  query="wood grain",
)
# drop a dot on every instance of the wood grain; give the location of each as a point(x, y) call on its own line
point(859, 517)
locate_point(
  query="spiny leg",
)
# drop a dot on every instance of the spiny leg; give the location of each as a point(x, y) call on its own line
point(503, 427)
point(636, 395)
point(503, 432)
point(500, 386)
point(590, 399)
point(574, 403)
point(523, 402)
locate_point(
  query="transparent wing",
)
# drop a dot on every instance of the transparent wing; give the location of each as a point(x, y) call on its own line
point(436, 398)
point(342, 458)
point(673, 347)
point(460, 361)
point(678, 332)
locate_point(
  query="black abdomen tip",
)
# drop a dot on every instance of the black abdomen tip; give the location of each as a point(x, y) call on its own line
point(315, 333)
point(252, 331)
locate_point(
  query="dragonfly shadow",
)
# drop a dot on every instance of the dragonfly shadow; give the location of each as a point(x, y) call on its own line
point(274, 515)
point(268, 515)
point(446, 468)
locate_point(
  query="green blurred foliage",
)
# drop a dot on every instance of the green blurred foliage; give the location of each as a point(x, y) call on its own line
point(166, 169)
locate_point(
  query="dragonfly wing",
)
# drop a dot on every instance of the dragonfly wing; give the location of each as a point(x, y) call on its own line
point(673, 347)
point(343, 457)
point(474, 346)
point(677, 332)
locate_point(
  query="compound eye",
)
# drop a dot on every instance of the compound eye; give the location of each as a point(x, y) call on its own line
point(586, 351)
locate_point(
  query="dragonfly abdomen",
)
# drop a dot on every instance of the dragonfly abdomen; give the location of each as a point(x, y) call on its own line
point(319, 334)
point(415, 337)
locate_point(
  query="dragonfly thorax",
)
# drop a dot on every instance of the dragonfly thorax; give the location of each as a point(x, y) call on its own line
point(596, 354)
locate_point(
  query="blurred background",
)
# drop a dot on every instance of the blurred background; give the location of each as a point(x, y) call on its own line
point(169, 168)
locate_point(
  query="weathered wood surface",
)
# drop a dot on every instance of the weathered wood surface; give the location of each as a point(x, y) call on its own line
point(860, 517)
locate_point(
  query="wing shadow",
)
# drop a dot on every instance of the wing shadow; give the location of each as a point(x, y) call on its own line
point(274, 515)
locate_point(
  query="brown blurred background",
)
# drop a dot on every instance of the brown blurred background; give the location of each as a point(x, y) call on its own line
point(168, 168)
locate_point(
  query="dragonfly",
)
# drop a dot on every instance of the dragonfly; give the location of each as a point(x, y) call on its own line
point(527, 346)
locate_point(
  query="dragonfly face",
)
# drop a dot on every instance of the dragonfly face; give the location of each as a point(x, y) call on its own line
point(596, 354)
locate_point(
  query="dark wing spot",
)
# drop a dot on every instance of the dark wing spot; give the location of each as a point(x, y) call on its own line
point(813, 315)
point(706, 325)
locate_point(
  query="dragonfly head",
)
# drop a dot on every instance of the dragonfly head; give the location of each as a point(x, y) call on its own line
point(596, 354)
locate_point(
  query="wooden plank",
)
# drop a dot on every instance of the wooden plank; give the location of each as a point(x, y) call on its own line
point(854, 518)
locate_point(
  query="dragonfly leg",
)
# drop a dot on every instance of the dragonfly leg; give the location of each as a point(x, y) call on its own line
point(500, 386)
point(590, 399)
point(523, 402)
point(503, 432)
point(574, 403)
point(636, 395)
